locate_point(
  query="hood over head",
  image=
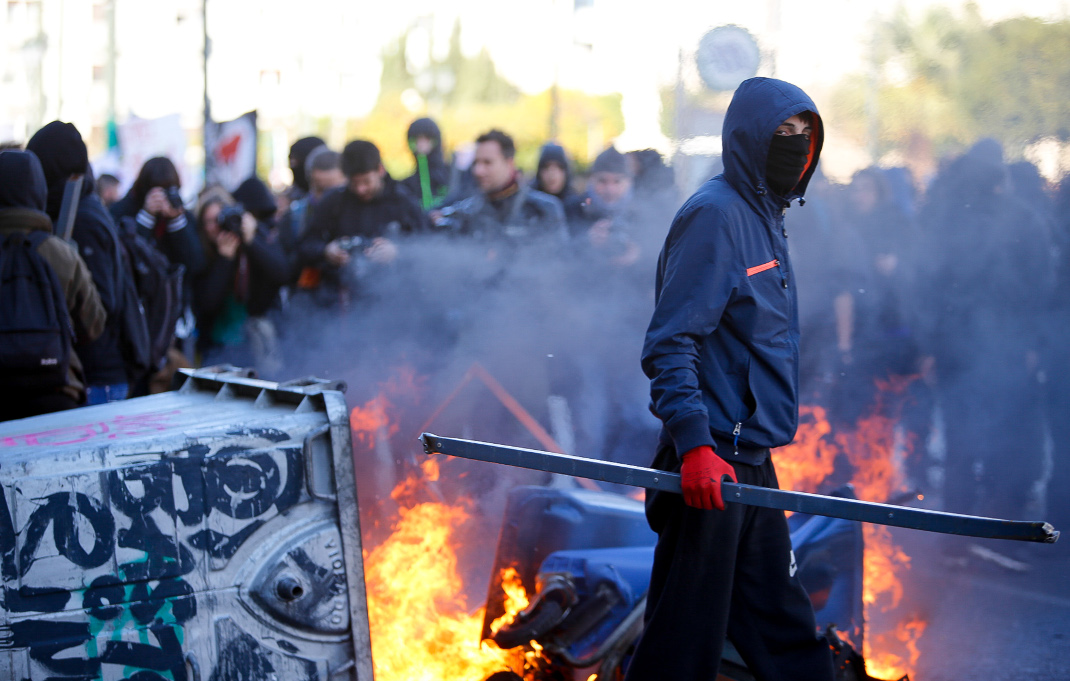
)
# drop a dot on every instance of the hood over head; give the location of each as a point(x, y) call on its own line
point(299, 151)
point(22, 181)
point(758, 107)
point(427, 128)
point(256, 198)
point(553, 153)
point(62, 153)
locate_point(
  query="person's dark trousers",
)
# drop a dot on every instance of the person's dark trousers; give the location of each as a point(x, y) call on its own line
point(728, 573)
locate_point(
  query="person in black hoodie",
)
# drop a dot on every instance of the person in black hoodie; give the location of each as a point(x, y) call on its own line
point(240, 285)
point(362, 222)
point(721, 353)
point(431, 182)
point(62, 152)
point(299, 152)
point(987, 275)
point(553, 175)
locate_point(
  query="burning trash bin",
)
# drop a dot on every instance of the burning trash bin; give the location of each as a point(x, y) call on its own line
point(585, 559)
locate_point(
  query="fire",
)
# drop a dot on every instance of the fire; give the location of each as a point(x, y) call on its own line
point(891, 665)
point(421, 629)
point(810, 458)
point(516, 599)
point(875, 450)
point(370, 423)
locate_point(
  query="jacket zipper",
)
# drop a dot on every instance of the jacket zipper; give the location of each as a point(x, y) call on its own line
point(735, 432)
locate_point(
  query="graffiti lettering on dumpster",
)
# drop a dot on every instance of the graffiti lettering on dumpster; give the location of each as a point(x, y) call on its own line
point(100, 571)
point(113, 429)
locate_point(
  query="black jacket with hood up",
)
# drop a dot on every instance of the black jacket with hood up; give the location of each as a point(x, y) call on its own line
point(431, 183)
point(722, 347)
point(62, 152)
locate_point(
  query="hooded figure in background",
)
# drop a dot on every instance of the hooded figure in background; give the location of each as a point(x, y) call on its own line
point(722, 354)
point(299, 151)
point(257, 199)
point(62, 152)
point(553, 175)
point(23, 198)
point(987, 276)
point(431, 181)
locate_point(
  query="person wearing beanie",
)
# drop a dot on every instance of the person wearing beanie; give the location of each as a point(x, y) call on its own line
point(721, 353)
point(365, 219)
point(63, 154)
point(602, 217)
point(23, 200)
point(299, 152)
point(431, 182)
point(504, 209)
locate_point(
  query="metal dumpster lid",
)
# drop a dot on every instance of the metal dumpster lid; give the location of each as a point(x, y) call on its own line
point(206, 400)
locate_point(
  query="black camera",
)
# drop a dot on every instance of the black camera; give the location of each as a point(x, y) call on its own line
point(230, 217)
point(174, 197)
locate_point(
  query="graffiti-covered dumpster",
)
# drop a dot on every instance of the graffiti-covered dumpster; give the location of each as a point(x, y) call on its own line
point(208, 533)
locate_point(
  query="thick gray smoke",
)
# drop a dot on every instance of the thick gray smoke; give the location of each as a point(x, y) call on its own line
point(557, 324)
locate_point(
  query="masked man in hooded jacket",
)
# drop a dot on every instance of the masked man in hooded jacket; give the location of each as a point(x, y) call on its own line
point(721, 353)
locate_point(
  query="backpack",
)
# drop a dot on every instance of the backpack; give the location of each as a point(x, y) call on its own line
point(35, 327)
point(155, 295)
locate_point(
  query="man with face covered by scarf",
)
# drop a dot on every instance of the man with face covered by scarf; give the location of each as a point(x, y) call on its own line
point(721, 353)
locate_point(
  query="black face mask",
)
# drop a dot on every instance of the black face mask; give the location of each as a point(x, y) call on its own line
point(786, 162)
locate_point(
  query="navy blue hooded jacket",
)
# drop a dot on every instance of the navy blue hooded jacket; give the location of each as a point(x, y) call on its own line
point(722, 347)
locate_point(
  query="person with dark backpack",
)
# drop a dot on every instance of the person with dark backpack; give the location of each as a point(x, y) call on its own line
point(47, 299)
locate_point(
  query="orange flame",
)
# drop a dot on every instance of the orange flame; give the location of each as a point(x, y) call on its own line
point(370, 422)
point(810, 458)
point(420, 627)
point(516, 599)
point(875, 451)
point(889, 664)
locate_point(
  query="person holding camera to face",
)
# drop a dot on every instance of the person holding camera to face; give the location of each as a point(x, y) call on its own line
point(155, 202)
point(238, 287)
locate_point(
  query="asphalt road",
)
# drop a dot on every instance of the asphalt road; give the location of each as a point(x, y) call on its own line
point(986, 621)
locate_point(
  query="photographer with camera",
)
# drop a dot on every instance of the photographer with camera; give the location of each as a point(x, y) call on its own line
point(358, 223)
point(239, 287)
point(155, 202)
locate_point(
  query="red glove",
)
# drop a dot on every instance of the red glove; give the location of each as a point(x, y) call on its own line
point(701, 475)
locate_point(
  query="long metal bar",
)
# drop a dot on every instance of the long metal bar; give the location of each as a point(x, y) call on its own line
point(784, 500)
point(72, 196)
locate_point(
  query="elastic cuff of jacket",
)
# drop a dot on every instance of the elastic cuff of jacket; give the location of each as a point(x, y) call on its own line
point(691, 431)
point(146, 219)
point(177, 224)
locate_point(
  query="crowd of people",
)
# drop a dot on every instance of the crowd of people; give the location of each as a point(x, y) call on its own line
point(909, 298)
